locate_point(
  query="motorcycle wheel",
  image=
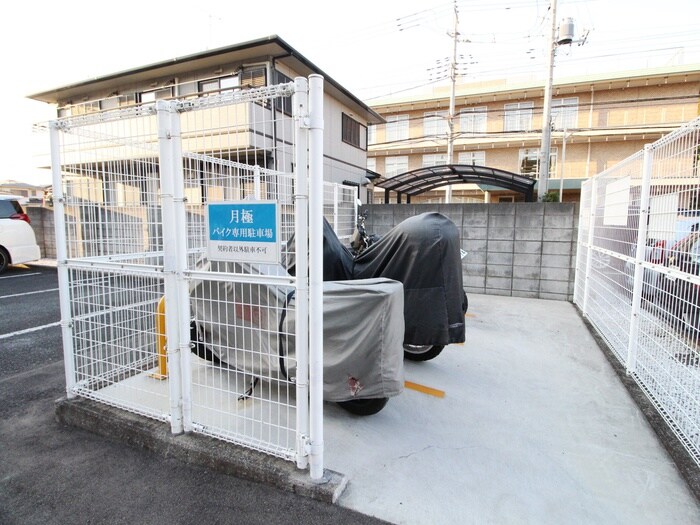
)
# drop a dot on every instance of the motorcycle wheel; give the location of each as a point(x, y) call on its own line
point(421, 352)
point(364, 407)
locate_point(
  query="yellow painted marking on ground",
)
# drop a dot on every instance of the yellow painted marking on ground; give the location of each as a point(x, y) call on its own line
point(424, 389)
point(469, 315)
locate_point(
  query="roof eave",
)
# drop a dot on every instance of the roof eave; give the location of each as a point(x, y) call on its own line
point(279, 50)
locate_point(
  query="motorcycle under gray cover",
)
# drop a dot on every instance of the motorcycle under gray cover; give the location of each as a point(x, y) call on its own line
point(422, 252)
point(362, 339)
point(362, 335)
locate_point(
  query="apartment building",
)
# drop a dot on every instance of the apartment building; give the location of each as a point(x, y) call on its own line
point(597, 121)
point(264, 62)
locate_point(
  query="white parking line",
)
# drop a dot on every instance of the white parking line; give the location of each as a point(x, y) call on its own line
point(29, 330)
point(20, 275)
point(28, 293)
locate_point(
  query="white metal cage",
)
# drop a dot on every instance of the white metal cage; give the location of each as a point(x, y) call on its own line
point(131, 191)
point(638, 278)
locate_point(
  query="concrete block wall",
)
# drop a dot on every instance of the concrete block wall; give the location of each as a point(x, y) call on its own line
point(514, 249)
point(42, 223)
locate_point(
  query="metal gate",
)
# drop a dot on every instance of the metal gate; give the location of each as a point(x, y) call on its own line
point(141, 278)
point(638, 278)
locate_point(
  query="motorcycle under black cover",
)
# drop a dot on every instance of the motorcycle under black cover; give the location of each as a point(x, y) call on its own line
point(422, 252)
point(337, 259)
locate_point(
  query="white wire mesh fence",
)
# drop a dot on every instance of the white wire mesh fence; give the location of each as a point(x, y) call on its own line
point(150, 323)
point(638, 272)
point(340, 209)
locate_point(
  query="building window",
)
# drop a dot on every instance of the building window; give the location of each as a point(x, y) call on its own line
point(372, 164)
point(434, 159)
point(283, 104)
point(529, 158)
point(353, 132)
point(518, 116)
point(155, 94)
point(371, 134)
point(395, 165)
point(209, 86)
point(527, 161)
point(396, 128)
point(435, 124)
point(473, 120)
point(127, 100)
point(565, 113)
point(219, 85)
point(80, 109)
point(254, 77)
point(118, 101)
point(472, 158)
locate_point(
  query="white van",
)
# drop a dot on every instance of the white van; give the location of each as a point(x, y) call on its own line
point(17, 241)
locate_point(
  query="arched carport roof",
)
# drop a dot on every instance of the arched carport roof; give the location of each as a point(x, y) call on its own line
point(421, 180)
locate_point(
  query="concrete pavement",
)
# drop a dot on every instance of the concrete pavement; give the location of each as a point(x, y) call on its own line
point(535, 427)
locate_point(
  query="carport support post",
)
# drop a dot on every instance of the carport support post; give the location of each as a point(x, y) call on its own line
point(62, 258)
point(316, 276)
point(640, 256)
point(301, 217)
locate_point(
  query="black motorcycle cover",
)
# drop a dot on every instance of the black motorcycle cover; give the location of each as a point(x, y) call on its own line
point(422, 252)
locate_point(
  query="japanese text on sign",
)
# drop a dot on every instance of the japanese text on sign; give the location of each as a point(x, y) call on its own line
point(243, 231)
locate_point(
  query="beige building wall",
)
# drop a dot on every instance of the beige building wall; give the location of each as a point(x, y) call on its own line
point(615, 118)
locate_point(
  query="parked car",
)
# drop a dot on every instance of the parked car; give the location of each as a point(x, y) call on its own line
point(680, 297)
point(17, 241)
point(657, 251)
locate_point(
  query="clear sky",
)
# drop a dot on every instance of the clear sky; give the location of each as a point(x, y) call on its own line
point(373, 48)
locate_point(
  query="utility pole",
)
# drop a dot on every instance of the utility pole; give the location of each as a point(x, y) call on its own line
point(543, 164)
point(451, 114)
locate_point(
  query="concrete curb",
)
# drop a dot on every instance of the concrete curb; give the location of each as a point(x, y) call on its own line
point(197, 449)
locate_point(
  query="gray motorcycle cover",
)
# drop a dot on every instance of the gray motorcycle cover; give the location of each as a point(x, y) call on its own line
point(362, 335)
point(362, 339)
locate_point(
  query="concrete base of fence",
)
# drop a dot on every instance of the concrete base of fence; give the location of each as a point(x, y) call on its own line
point(197, 449)
point(688, 469)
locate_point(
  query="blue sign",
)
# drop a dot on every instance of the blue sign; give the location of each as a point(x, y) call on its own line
point(243, 231)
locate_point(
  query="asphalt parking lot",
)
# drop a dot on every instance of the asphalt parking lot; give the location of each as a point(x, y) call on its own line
point(52, 474)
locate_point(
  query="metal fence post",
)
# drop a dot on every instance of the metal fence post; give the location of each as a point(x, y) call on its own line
point(181, 242)
point(170, 247)
point(589, 241)
point(640, 256)
point(316, 276)
point(335, 207)
point(301, 217)
point(62, 257)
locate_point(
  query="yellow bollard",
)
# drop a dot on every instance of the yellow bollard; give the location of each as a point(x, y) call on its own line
point(161, 341)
